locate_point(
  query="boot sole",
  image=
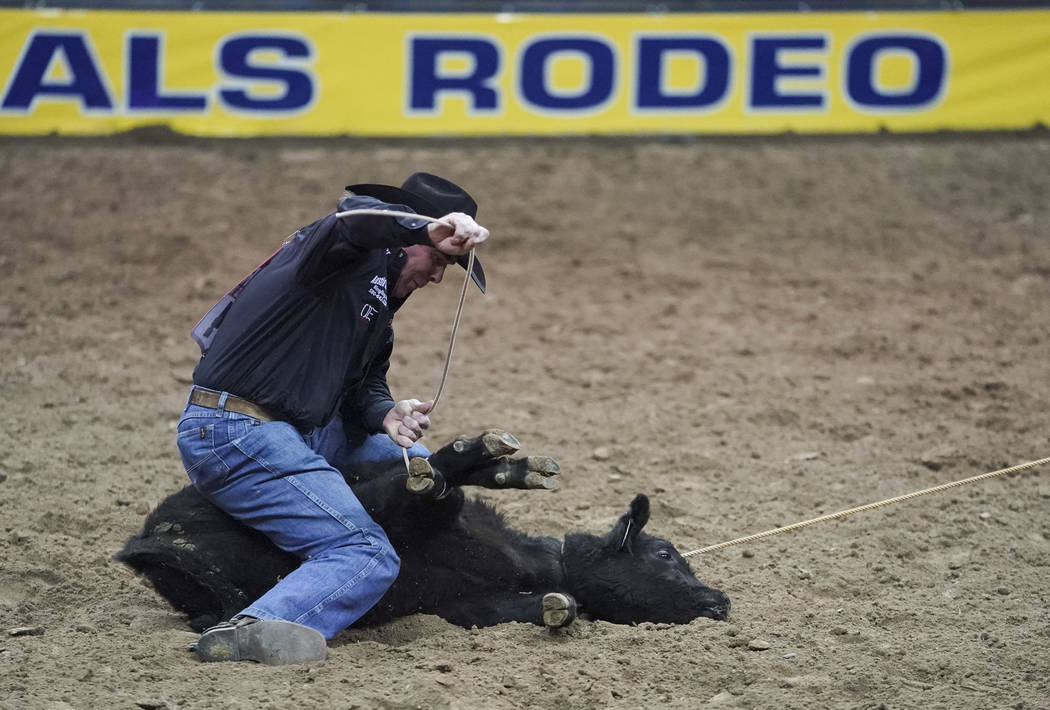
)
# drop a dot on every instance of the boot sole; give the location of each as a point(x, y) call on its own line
point(267, 641)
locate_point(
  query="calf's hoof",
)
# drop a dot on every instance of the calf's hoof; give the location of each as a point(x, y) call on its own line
point(541, 472)
point(269, 641)
point(528, 472)
point(496, 443)
point(420, 477)
point(559, 610)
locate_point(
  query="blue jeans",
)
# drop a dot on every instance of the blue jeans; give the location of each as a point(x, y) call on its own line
point(272, 478)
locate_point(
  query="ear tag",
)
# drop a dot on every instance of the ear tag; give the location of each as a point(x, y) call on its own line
point(623, 543)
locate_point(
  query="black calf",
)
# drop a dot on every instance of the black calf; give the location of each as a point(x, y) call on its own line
point(459, 558)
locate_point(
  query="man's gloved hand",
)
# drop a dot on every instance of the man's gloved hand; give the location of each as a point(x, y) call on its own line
point(407, 420)
point(456, 242)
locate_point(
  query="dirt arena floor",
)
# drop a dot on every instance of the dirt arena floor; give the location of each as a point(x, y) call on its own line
point(752, 332)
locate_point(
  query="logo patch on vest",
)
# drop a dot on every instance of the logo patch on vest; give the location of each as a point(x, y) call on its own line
point(378, 289)
point(367, 311)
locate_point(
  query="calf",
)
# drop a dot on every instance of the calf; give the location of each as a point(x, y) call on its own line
point(459, 558)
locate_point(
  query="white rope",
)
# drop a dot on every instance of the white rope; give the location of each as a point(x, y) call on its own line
point(459, 308)
point(869, 506)
point(392, 213)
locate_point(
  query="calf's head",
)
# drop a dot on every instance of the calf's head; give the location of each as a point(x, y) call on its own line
point(629, 576)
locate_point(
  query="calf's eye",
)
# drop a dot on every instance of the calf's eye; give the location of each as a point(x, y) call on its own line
point(663, 555)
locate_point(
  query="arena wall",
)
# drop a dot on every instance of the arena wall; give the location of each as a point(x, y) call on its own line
point(95, 72)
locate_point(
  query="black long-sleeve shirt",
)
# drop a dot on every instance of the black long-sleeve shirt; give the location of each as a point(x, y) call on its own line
point(312, 327)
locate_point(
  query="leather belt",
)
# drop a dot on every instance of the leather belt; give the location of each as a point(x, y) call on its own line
point(204, 398)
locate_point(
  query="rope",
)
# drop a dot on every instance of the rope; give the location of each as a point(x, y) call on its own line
point(459, 308)
point(869, 506)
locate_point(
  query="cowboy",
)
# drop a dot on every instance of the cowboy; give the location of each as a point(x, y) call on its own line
point(291, 387)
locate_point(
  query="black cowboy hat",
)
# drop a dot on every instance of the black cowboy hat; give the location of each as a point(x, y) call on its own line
point(432, 196)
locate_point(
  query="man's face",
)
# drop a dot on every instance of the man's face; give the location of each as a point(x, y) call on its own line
point(423, 265)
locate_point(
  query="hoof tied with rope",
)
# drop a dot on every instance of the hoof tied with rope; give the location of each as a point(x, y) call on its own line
point(422, 479)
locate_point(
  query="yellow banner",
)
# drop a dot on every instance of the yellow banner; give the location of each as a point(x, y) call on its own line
point(253, 74)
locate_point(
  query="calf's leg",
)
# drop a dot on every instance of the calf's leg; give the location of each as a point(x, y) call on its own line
point(425, 479)
point(464, 454)
point(481, 461)
point(553, 610)
point(526, 472)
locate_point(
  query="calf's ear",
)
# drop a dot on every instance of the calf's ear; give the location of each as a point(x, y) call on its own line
point(630, 524)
